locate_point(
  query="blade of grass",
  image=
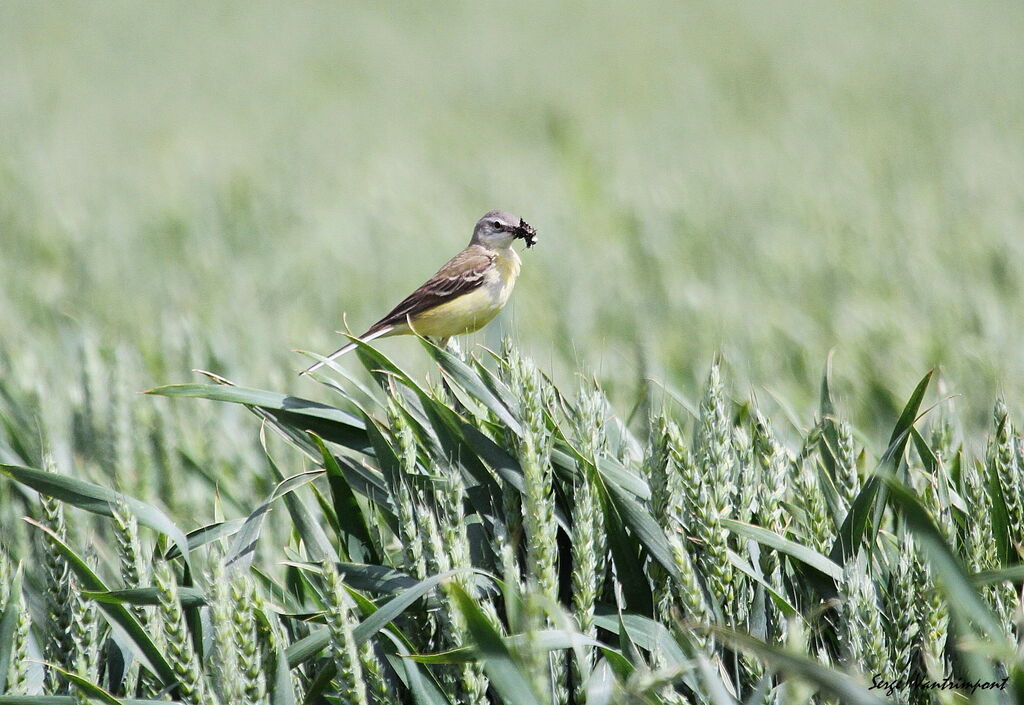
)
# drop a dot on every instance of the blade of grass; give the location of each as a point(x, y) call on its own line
point(318, 546)
point(88, 689)
point(188, 596)
point(805, 555)
point(865, 513)
point(8, 624)
point(844, 688)
point(421, 683)
point(463, 375)
point(243, 548)
point(505, 674)
point(96, 499)
point(349, 513)
point(117, 615)
point(963, 598)
point(371, 578)
point(328, 422)
point(207, 534)
point(308, 647)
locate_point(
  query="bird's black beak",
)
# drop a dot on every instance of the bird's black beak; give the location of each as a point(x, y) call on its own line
point(525, 231)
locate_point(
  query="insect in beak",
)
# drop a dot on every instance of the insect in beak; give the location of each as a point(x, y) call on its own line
point(526, 232)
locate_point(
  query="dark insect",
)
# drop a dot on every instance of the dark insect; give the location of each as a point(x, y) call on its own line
point(526, 231)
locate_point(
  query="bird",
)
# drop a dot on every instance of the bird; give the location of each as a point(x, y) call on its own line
point(465, 294)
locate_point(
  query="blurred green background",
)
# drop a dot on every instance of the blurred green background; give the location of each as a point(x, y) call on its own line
point(215, 184)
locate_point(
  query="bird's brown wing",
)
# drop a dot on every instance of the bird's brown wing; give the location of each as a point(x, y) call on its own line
point(462, 274)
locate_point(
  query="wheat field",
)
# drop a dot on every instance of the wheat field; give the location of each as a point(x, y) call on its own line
point(748, 432)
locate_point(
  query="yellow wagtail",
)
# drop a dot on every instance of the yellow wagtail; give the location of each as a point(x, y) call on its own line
point(465, 294)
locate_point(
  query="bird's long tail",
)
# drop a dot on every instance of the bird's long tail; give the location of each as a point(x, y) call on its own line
point(365, 337)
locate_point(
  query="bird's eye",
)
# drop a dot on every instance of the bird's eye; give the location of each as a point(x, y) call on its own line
point(496, 224)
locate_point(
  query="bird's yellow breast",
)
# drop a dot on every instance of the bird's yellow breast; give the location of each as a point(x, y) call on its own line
point(471, 312)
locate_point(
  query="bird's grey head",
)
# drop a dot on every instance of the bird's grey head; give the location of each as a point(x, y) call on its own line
point(498, 229)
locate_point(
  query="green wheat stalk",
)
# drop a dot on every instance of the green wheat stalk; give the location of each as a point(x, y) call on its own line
point(348, 683)
point(716, 485)
point(245, 632)
point(177, 639)
point(17, 670)
point(588, 531)
point(59, 647)
point(815, 522)
point(847, 474)
point(861, 630)
point(228, 682)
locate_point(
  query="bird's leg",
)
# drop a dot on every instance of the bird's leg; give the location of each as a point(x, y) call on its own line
point(451, 345)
